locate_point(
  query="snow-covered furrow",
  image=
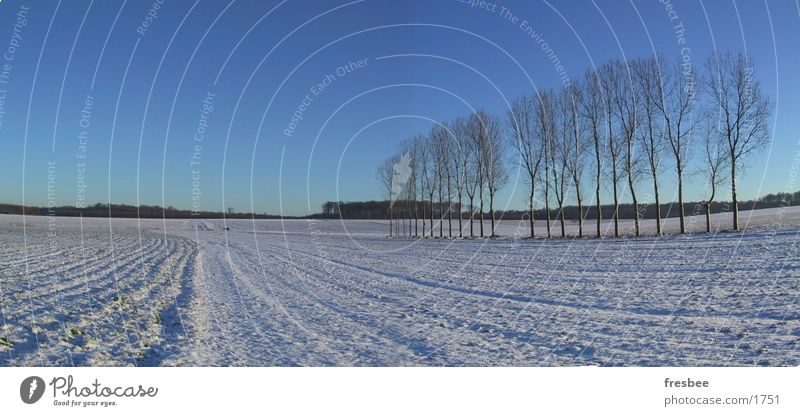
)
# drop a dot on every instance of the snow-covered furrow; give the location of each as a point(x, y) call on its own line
point(273, 294)
point(75, 275)
point(241, 329)
point(586, 271)
point(95, 308)
point(616, 303)
point(183, 292)
point(444, 315)
point(336, 318)
point(340, 297)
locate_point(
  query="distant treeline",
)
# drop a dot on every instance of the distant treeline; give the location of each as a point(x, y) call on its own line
point(380, 209)
point(128, 211)
point(18, 209)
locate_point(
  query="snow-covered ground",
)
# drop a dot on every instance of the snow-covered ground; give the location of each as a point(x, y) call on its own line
point(188, 292)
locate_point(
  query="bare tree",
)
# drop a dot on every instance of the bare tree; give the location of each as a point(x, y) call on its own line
point(419, 145)
point(547, 149)
point(409, 194)
point(713, 166)
point(744, 111)
point(546, 130)
point(385, 176)
point(410, 149)
point(481, 145)
point(676, 101)
point(440, 139)
point(472, 175)
point(574, 156)
point(431, 175)
point(647, 75)
point(402, 189)
point(493, 152)
point(559, 154)
point(448, 148)
point(423, 164)
point(460, 156)
point(592, 112)
point(525, 140)
point(626, 102)
point(608, 75)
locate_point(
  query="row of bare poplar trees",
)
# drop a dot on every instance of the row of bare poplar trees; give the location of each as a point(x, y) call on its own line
point(463, 160)
point(617, 126)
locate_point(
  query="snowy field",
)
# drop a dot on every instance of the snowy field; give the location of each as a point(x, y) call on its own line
point(188, 292)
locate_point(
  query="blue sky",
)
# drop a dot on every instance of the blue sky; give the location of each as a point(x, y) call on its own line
point(261, 59)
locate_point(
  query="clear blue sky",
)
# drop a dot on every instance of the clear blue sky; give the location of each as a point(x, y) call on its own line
point(148, 87)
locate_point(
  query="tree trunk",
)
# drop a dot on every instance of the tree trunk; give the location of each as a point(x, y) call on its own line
point(616, 199)
point(481, 216)
point(658, 204)
point(406, 222)
point(635, 202)
point(635, 210)
point(547, 208)
point(580, 209)
point(409, 221)
point(532, 211)
point(449, 210)
point(423, 216)
point(441, 213)
point(597, 188)
point(680, 201)
point(460, 223)
point(401, 223)
point(390, 224)
point(481, 210)
point(491, 210)
point(416, 217)
point(471, 215)
point(431, 201)
point(733, 195)
point(708, 217)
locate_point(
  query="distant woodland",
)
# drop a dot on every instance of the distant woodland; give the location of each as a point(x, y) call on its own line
point(380, 209)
